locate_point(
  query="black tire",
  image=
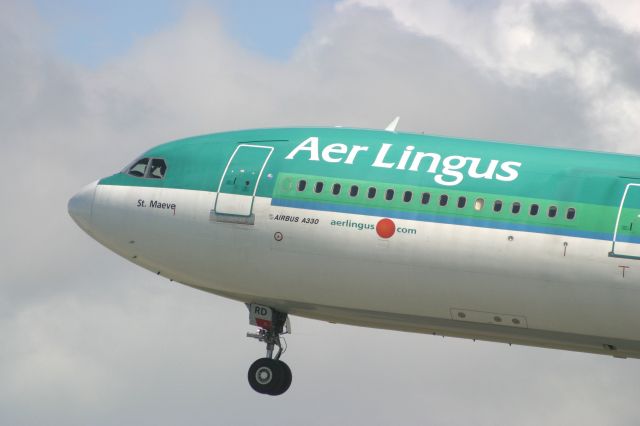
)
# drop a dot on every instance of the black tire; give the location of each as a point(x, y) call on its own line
point(286, 382)
point(266, 376)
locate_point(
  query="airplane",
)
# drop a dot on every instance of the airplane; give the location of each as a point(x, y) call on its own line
point(475, 239)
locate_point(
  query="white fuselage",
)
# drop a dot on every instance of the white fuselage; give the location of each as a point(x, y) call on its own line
point(501, 285)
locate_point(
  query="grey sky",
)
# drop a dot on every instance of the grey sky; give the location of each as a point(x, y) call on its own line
point(88, 338)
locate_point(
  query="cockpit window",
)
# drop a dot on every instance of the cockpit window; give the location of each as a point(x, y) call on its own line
point(157, 169)
point(151, 168)
point(139, 168)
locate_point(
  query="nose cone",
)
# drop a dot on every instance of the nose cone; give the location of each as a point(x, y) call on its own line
point(81, 204)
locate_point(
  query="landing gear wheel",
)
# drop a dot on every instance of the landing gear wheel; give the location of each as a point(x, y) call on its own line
point(269, 376)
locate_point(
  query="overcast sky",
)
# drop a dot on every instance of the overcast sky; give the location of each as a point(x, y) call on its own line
point(87, 338)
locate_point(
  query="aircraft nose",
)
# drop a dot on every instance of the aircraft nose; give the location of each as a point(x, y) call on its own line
point(81, 204)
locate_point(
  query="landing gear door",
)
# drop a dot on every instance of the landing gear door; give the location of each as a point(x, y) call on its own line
point(626, 236)
point(239, 183)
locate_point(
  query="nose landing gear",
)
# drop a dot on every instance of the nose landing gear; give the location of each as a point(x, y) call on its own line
point(269, 375)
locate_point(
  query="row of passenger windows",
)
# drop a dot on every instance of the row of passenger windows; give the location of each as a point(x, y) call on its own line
point(443, 200)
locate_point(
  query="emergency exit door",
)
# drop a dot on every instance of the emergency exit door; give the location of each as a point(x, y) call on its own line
point(626, 236)
point(239, 182)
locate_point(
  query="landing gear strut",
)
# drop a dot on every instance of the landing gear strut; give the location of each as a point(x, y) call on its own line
point(269, 375)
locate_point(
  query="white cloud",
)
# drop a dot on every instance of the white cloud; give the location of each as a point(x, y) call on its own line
point(531, 41)
point(623, 12)
point(88, 338)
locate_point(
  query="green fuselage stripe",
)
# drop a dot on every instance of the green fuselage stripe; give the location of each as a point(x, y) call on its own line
point(590, 221)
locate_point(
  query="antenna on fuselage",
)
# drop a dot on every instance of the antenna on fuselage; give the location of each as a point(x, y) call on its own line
point(392, 126)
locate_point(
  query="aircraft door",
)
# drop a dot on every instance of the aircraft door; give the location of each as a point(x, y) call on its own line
point(239, 183)
point(626, 236)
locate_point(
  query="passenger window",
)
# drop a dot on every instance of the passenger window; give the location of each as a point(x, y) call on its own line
point(497, 206)
point(318, 188)
point(336, 189)
point(533, 210)
point(444, 199)
point(462, 201)
point(371, 193)
point(388, 195)
point(479, 204)
point(302, 184)
point(571, 213)
point(425, 198)
point(515, 208)
point(158, 168)
point(354, 190)
point(139, 169)
point(553, 211)
point(407, 196)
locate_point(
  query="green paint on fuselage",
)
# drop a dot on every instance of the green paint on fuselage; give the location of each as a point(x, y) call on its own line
point(590, 182)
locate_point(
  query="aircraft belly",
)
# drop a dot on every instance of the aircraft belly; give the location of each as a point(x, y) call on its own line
point(442, 270)
point(461, 274)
